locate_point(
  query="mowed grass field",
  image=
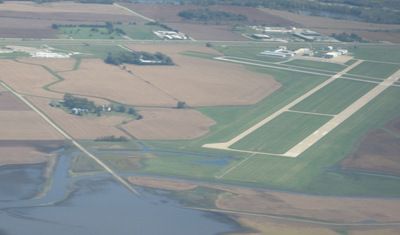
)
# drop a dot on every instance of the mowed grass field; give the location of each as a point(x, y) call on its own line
point(134, 31)
point(312, 171)
point(374, 69)
point(316, 65)
point(281, 133)
point(87, 33)
point(335, 97)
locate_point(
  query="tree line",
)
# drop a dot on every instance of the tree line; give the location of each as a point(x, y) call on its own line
point(206, 15)
point(348, 37)
point(383, 11)
point(139, 58)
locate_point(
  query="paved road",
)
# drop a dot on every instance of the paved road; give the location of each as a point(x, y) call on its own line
point(226, 145)
point(73, 141)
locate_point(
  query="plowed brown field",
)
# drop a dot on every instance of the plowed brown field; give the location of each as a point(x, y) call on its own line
point(169, 124)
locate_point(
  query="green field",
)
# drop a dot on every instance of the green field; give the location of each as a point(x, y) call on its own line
point(86, 33)
point(141, 32)
point(382, 53)
point(282, 133)
point(317, 65)
point(133, 31)
point(373, 69)
point(310, 171)
point(334, 97)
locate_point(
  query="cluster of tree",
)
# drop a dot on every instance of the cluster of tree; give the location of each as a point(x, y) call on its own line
point(1, 1)
point(72, 102)
point(139, 58)
point(94, 27)
point(206, 15)
point(57, 26)
point(383, 11)
point(129, 110)
point(161, 25)
point(347, 37)
point(112, 138)
point(181, 105)
point(79, 106)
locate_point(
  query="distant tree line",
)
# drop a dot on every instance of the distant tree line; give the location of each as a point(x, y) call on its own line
point(139, 58)
point(347, 37)
point(383, 11)
point(206, 15)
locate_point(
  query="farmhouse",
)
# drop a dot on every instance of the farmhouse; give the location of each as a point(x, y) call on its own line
point(79, 111)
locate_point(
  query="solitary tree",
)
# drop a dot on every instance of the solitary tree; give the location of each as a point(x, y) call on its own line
point(181, 105)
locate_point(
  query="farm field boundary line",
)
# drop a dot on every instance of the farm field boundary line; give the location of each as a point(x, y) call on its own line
point(226, 145)
point(73, 141)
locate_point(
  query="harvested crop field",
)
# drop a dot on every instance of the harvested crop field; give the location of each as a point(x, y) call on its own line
point(25, 125)
point(169, 124)
point(80, 127)
point(169, 14)
point(27, 152)
point(66, 11)
point(198, 82)
point(95, 78)
point(57, 65)
point(8, 102)
point(61, 7)
point(203, 82)
point(377, 152)
point(336, 209)
point(374, 32)
point(26, 28)
point(160, 183)
point(31, 20)
point(26, 78)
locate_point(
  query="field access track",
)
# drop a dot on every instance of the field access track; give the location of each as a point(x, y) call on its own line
point(318, 134)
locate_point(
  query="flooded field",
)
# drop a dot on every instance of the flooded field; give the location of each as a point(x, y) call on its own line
point(92, 205)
